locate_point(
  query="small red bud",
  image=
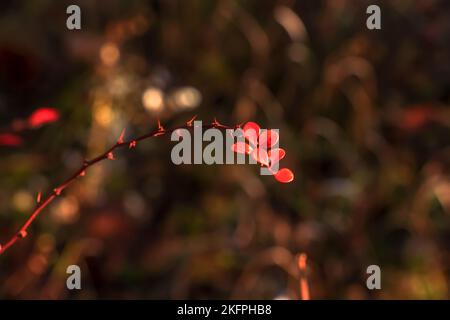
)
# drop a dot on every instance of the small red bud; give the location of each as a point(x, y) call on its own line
point(120, 140)
point(82, 173)
point(217, 124)
point(189, 123)
point(110, 156)
point(132, 144)
point(57, 191)
point(22, 234)
point(160, 127)
point(161, 130)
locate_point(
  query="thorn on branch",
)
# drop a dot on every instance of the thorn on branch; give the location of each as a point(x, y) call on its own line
point(161, 129)
point(120, 140)
point(38, 199)
point(189, 123)
point(215, 123)
point(110, 156)
point(22, 234)
point(132, 144)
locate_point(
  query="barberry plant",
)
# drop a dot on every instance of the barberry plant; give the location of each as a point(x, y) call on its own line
point(259, 142)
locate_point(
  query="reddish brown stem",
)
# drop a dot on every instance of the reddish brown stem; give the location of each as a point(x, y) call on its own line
point(23, 231)
point(303, 281)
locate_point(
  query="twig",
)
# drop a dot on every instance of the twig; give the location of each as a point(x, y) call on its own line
point(303, 281)
point(109, 154)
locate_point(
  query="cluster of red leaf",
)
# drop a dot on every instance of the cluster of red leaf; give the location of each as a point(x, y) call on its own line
point(37, 119)
point(259, 147)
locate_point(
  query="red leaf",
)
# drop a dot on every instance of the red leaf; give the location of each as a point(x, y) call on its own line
point(275, 155)
point(251, 132)
point(9, 139)
point(241, 147)
point(268, 138)
point(284, 175)
point(42, 116)
point(261, 156)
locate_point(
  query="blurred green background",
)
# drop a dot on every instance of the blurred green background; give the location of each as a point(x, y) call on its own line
point(364, 116)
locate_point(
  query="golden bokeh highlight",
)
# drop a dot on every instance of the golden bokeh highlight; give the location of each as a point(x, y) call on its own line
point(109, 54)
point(153, 99)
point(187, 98)
point(66, 210)
point(103, 114)
point(23, 201)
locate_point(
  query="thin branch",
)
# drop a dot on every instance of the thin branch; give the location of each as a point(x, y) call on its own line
point(109, 154)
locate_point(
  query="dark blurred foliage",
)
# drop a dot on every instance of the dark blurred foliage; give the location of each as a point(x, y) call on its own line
point(364, 117)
